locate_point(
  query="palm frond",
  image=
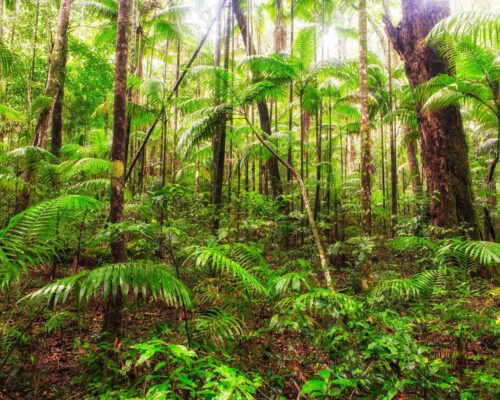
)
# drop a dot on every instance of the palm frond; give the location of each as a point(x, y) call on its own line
point(480, 26)
point(30, 237)
point(425, 283)
point(106, 9)
point(218, 327)
point(144, 278)
point(412, 243)
point(216, 259)
point(207, 122)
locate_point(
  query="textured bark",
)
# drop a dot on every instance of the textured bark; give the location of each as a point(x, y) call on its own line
point(113, 317)
point(279, 28)
point(265, 121)
point(56, 72)
point(411, 155)
point(351, 154)
point(219, 138)
point(444, 150)
point(57, 124)
point(57, 112)
point(366, 160)
point(394, 170)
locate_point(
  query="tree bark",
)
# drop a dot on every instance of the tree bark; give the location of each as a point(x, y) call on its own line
point(444, 150)
point(113, 317)
point(265, 121)
point(219, 139)
point(56, 72)
point(57, 112)
point(411, 155)
point(366, 159)
point(279, 28)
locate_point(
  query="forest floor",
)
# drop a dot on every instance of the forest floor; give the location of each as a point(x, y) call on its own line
point(60, 363)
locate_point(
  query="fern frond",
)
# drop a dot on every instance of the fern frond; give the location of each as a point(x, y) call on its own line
point(425, 283)
point(480, 26)
point(216, 259)
point(412, 243)
point(30, 237)
point(468, 254)
point(325, 301)
point(217, 326)
point(291, 282)
point(147, 278)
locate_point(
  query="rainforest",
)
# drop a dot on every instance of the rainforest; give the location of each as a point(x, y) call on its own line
point(249, 199)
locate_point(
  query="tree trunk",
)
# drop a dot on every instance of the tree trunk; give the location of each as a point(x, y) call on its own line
point(411, 155)
point(366, 161)
point(56, 72)
point(279, 28)
point(113, 317)
point(57, 112)
point(394, 170)
point(265, 121)
point(219, 139)
point(444, 150)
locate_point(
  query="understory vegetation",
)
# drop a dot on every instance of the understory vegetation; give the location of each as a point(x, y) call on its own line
point(225, 199)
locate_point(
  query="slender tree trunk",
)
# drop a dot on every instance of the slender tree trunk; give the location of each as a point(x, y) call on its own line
point(1, 20)
point(351, 153)
point(219, 139)
point(33, 50)
point(279, 28)
point(444, 150)
point(319, 150)
point(265, 122)
point(366, 160)
point(57, 112)
point(394, 170)
point(307, 206)
point(56, 72)
point(113, 317)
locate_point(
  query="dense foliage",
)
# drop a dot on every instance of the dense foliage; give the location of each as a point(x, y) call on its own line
point(258, 221)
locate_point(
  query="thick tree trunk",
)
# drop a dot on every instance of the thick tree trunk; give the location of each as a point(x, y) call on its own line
point(113, 317)
point(56, 71)
point(366, 159)
point(444, 150)
point(265, 121)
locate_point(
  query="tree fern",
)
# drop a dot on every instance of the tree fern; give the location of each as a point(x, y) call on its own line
point(144, 278)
